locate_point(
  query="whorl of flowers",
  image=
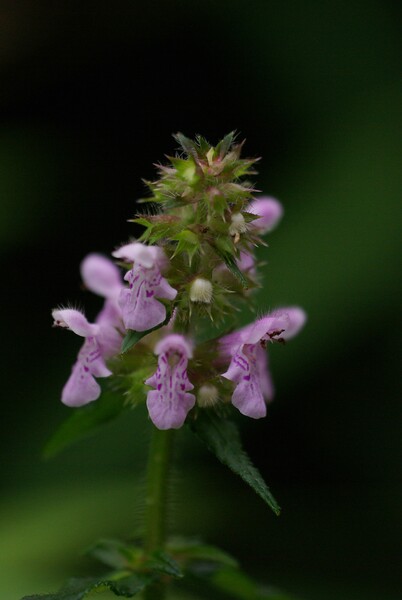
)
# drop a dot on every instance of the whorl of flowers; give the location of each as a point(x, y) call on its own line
point(191, 270)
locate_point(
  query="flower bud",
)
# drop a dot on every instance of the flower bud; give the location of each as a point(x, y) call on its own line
point(207, 395)
point(238, 224)
point(201, 291)
point(269, 211)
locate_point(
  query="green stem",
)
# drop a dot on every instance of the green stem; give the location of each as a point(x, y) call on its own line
point(157, 498)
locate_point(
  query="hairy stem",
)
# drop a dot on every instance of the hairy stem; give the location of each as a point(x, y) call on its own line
point(157, 498)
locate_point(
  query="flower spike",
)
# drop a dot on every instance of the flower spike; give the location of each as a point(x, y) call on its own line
point(201, 239)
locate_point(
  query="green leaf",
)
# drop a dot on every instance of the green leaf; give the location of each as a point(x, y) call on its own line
point(84, 421)
point(163, 563)
point(188, 551)
point(116, 554)
point(209, 554)
point(241, 586)
point(119, 555)
point(121, 584)
point(235, 584)
point(222, 438)
point(133, 337)
point(229, 583)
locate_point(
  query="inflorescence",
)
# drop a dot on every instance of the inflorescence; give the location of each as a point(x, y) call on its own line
point(192, 270)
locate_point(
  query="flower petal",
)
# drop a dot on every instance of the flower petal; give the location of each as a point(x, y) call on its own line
point(170, 402)
point(101, 276)
point(248, 399)
point(81, 387)
point(140, 308)
point(296, 320)
point(137, 252)
point(177, 341)
point(92, 358)
point(165, 290)
point(270, 212)
point(246, 262)
point(169, 415)
point(285, 322)
point(110, 323)
point(74, 320)
point(264, 374)
point(265, 327)
point(244, 370)
point(147, 256)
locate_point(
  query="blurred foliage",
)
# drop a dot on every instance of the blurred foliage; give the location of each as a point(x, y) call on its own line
point(91, 93)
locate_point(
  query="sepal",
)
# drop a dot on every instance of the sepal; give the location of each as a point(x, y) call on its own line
point(186, 169)
point(186, 144)
point(225, 144)
point(188, 243)
point(158, 227)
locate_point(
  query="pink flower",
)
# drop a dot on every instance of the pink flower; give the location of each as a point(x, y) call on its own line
point(246, 263)
point(270, 212)
point(248, 367)
point(169, 403)
point(101, 276)
point(102, 338)
point(140, 308)
point(81, 387)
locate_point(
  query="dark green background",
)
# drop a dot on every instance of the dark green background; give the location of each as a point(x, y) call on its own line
point(91, 92)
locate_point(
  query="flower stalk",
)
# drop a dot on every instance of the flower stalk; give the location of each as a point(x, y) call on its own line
point(159, 462)
point(158, 471)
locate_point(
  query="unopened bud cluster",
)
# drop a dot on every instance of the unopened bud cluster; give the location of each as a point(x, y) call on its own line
point(187, 274)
